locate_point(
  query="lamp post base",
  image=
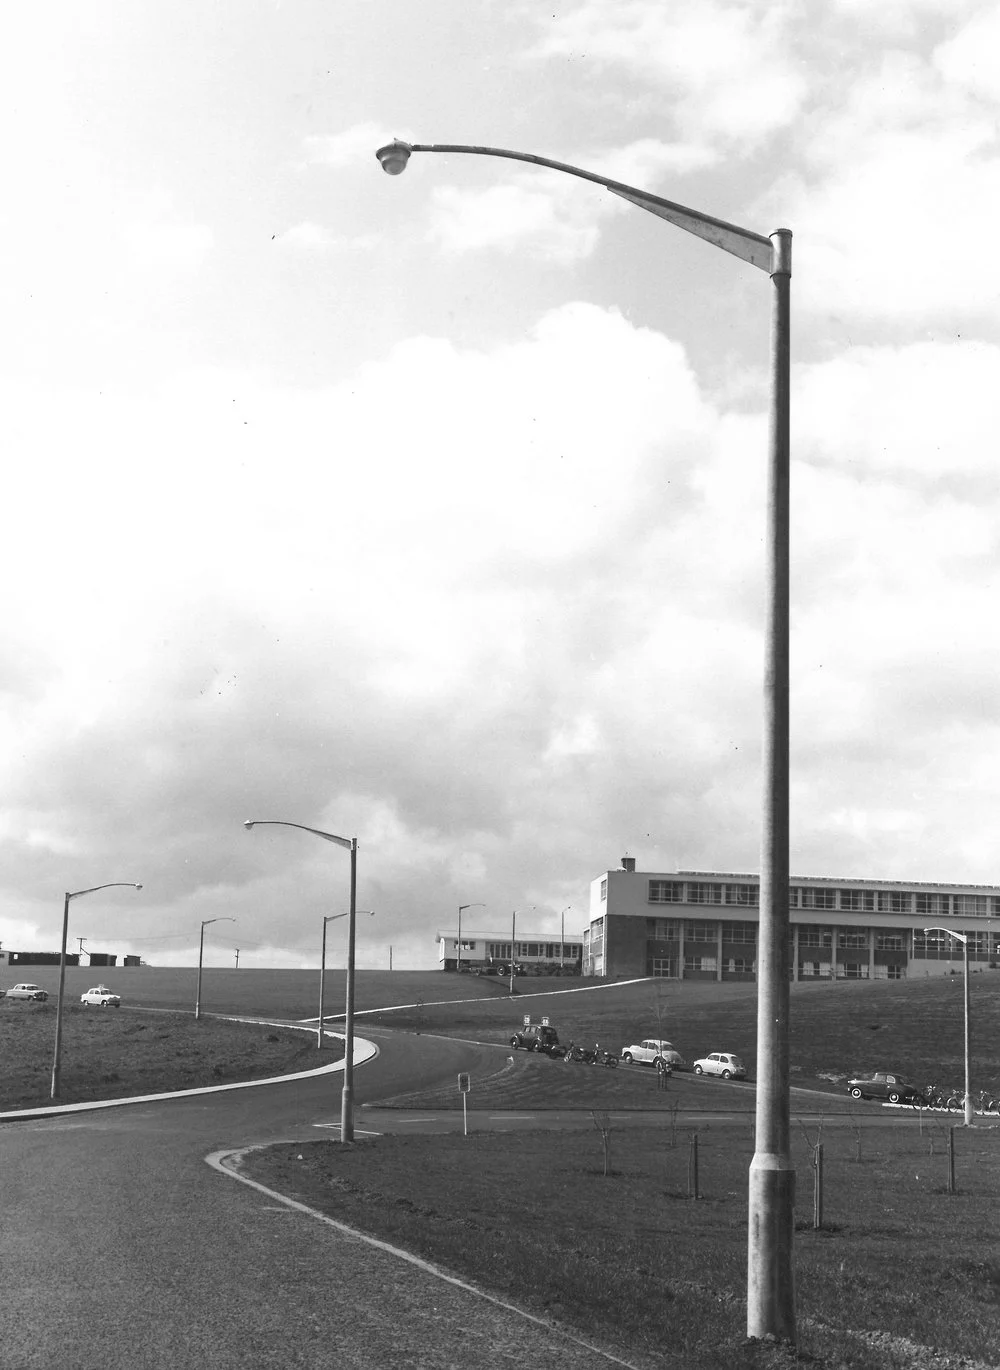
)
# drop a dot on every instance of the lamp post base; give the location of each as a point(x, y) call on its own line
point(771, 1284)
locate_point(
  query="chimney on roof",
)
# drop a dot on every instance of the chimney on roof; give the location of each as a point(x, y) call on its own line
point(628, 863)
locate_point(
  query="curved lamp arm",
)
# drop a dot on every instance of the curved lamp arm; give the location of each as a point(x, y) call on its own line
point(766, 253)
point(282, 823)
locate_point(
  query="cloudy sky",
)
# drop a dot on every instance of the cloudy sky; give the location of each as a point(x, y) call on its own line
point(430, 509)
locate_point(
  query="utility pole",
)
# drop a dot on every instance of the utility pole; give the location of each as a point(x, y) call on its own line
point(237, 958)
point(81, 940)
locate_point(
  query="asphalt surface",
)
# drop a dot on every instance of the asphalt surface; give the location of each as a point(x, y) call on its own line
point(120, 1246)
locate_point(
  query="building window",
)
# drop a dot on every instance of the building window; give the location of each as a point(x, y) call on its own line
point(819, 899)
point(699, 963)
point(894, 972)
point(662, 929)
point(815, 937)
point(793, 897)
point(889, 941)
point(855, 970)
point(809, 970)
point(971, 905)
point(704, 894)
point(706, 931)
point(894, 901)
point(604, 888)
point(743, 894)
point(740, 932)
point(853, 937)
point(739, 965)
point(933, 905)
point(666, 891)
point(858, 901)
point(500, 951)
point(663, 966)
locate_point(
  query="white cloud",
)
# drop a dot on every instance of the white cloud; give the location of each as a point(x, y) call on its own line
point(723, 70)
point(508, 217)
point(355, 146)
point(969, 59)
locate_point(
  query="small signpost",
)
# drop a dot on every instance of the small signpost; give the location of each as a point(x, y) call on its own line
point(464, 1085)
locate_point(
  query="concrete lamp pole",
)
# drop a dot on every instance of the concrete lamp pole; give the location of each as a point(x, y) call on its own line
point(770, 1285)
point(458, 944)
point(330, 918)
point(201, 954)
point(57, 1052)
point(961, 937)
point(351, 844)
point(562, 933)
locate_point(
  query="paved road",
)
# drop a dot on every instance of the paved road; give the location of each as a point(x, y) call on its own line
point(120, 1247)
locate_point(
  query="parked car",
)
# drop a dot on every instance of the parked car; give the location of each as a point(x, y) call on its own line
point(885, 1084)
point(722, 1063)
point(538, 1037)
point(654, 1051)
point(28, 992)
point(101, 996)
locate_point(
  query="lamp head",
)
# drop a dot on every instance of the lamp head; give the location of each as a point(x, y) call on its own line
point(394, 157)
point(138, 887)
point(248, 823)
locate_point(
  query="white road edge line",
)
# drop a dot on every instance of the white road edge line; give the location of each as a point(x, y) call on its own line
point(225, 1161)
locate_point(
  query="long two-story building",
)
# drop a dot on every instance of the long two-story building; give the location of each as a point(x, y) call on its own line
point(704, 925)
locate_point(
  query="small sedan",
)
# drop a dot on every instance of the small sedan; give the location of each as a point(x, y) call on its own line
point(654, 1051)
point(885, 1084)
point(721, 1063)
point(102, 997)
point(28, 992)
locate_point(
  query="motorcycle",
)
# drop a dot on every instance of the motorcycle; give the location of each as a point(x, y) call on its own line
point(602, 1057)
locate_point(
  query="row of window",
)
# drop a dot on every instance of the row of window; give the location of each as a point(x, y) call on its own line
point(981, 940)
point(808, 970)
point(500, 951)
point(921, 902)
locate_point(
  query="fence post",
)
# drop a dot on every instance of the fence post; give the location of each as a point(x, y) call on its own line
point(818, 1186)
point(693, 1169)
point(951, 1160)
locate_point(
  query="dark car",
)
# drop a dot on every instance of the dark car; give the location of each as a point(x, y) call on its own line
point(886, 1084)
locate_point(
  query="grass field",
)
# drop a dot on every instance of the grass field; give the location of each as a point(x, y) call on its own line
point(115, 1054)
point(630, 1257)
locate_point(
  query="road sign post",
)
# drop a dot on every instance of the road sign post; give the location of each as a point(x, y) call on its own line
point(464, 1085)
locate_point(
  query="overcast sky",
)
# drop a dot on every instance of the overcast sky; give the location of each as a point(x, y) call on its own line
point(429, 509)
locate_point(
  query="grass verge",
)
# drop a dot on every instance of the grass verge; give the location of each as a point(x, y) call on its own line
point(630, 1257)
point(118, 1053)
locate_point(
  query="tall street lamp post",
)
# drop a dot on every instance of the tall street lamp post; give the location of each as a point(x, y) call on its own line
point(458, 944)
point(770, 1285)
point(201, 955)
point(57, 1052)
point(351, 844)
point(963, 938)
point(330, 918)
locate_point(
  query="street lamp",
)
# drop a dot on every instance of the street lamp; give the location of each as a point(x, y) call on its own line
point(351, 843)
point(458, 944)
point(201, 952)
point(963, 938)
point(771, 1218)
point(330, 918)
point(562, 933)
point(54, 1090)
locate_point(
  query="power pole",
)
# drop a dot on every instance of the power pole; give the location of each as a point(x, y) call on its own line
point(237, 958)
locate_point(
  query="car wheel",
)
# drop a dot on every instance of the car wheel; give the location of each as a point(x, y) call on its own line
point(698, 1070)
point(627, 1057)
point(856, 1093)
point(894, 1096)
point(727, 1074)
point(513, 1042)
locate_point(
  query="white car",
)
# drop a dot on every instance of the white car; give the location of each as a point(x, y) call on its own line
point(28, 992)
point(722, 1063)
point(101, 996)
point(654, 1051)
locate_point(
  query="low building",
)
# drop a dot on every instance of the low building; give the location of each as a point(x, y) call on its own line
point(703, 925)
point(537, 952)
